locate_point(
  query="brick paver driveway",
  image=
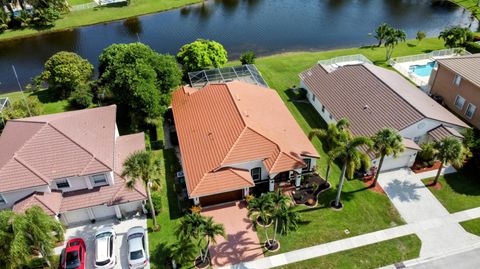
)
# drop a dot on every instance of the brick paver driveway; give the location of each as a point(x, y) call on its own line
point(242, 242)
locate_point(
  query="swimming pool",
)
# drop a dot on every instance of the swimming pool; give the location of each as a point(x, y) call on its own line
point(423, 70)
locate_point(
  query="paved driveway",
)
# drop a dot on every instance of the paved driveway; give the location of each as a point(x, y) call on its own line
point(87, 232)
point(242, 242)
point(417, 205)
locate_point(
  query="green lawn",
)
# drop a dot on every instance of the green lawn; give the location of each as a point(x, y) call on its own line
point(78, 2)
point(460, 191)
point(472, 226)
point(371, 256)
point(104, 14)
point(51, 104)
point(471, 5)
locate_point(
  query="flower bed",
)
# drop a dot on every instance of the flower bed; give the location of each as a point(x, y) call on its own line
point(312, 186)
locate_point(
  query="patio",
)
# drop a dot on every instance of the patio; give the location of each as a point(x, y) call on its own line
point(242, 242)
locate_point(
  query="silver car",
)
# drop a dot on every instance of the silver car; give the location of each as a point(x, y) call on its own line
point(105, 257)
point(137, 248)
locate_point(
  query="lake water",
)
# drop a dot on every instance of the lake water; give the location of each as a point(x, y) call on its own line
point(265, 26)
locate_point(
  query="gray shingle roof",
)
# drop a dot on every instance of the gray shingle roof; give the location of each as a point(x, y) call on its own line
point(467, 66)
point(373, 98)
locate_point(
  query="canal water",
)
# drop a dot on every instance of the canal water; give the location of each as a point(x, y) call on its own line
point(264, 26)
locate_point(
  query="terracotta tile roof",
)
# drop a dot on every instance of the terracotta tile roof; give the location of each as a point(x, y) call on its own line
point(50, 202)
point(59, 145)
point(442, 131)
point(373, 98)
point(467, 66)
point(230, 123)
point(228, 178)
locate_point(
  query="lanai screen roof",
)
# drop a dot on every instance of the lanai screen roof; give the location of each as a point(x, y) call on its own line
point(246, 73)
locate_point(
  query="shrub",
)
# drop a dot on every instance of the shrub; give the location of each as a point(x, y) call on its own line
point(22, 108)
point(81, 97)
point(427, 153)
point(472, 47)
point(248, 57)
point(157, 202)
point(420, 36)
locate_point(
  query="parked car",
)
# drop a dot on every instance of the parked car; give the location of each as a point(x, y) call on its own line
point(74, 257)
point(105, 257)
point(137, 248)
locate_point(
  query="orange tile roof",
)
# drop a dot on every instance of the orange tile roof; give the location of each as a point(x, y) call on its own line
point(231, 123)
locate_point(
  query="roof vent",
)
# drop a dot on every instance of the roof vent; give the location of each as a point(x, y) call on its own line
point(365, 107)
point(237, 97)
point(245, 113)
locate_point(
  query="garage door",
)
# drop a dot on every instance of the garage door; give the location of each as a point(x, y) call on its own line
point(395, 163)
point(103, 212)
point(76, 217)
point(221, 198)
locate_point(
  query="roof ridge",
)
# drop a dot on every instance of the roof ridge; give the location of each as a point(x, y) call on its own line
point(122, 187)
point(288, 155)
point(235, 103)
point(234, 170)
point(37, 198)
point(31, 169)
point(232, 147)
point(76, 143)
point(388, 86)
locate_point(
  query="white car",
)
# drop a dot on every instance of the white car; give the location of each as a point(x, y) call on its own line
point(137, 248)
point(105, 257)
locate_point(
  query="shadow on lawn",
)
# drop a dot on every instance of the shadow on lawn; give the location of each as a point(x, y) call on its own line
point(172, 165)
point(464, 182)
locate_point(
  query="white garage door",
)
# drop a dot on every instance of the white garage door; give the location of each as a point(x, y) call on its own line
point(103, 212)
point(403, 160)
point(76, 217)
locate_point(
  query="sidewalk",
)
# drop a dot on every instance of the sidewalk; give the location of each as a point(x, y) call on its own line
point(439, 231)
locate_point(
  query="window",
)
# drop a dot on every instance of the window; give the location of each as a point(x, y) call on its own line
point(256, 173)
point(470, 111)
point(308, 162)
point(62, 183)
point(313, 97)
point(457, 80)
point(459, 102)
point(99, 180)
point(2, 200)
point(323, 108)
point(416, 139)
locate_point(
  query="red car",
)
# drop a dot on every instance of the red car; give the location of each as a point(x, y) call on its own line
point(74, 255)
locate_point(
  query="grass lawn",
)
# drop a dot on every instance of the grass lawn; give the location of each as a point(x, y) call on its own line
point(104, 14)
point(471, 5)
point(78, 2)
point(472, 226)
point(371, 256)
point(365, 211)
point(51, 104)
point(460, 191)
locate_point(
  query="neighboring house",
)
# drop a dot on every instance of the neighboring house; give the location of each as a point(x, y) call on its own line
point(372, 98)
point(457, 81)
point(69, 164)
point(235, 136)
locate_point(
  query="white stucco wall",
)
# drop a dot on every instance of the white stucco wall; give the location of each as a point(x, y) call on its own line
point(421, 129)
point(76, 183)
point(13, 196)
point(250, 165)
point(317, 105)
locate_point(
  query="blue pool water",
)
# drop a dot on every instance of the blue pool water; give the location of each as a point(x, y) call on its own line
point(423, 70)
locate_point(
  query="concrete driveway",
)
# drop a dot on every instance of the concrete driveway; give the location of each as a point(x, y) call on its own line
point(418, 206)
point(242, 242)
point(87, 233)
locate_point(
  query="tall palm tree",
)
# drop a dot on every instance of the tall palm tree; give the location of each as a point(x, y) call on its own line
point(210, 230)
point(190, 228)
point(393, 37)
point(142, 166)
point(381, 33)
point(352, 158)
point(386, 142)
point(182, 252)
point(449, 151)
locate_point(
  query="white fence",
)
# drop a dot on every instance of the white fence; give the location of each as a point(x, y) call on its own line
point(333, 63)
point(426, 56)
point(83, 6)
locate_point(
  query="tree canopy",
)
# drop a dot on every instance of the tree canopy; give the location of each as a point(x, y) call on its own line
point(139, 79)
point(65, 71)
point(456, 36)
point(202, 54)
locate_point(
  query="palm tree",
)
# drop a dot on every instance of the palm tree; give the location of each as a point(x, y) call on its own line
point(449, 151)
point(182, 252)
point(393, 37)
point(263, 205)
point(386, 142)
point(14, 251)
point(455, 36)
point(210, 230)
point(381, 32)
point(142, 166)
point(190, 228)
point(284, 216)
point(352, 158)
point(331, 136)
